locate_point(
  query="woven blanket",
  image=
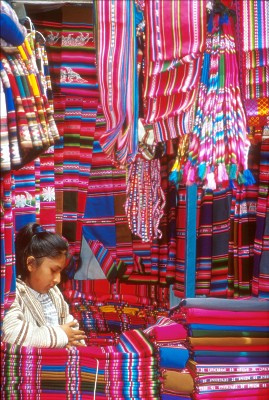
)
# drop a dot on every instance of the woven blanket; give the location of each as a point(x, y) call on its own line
point(81, 372)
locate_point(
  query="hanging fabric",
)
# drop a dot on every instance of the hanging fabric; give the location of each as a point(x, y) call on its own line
point(260, 285)
point(69, 43)
point(118, 76)
point(172, 65)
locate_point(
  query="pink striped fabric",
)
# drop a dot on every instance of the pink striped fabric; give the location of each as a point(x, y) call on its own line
point(116, 58)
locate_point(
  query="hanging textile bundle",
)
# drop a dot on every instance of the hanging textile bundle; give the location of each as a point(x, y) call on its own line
point(219, 144)
point(145, 198)
point(116, 23)
point(30, 117)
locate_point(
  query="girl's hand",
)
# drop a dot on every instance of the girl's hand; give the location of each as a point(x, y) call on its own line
point(74, 335)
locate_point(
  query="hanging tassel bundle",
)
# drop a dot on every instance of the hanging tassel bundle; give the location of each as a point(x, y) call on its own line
point(145, 199)
point(219, 145)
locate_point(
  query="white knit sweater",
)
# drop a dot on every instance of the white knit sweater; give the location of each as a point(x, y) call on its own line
point(24, 324)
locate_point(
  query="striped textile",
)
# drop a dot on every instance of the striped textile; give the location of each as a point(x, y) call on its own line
point(166, 330)
point(25, 195)
point(179, 287)
point(173, 127)
point(260, 285)
point(119, 253)
point(220, 242)
point(79, 128)
point(128, 370)
point(132, 294)
point(188, 39)
point(59, 109)
point(228, 346)
point(172, 65)
point(204, 245)
point(243, 224)
point(118, 78)
point(30, 117)
point(8, 276)
point(171, 199)
point(104, 318)
point(169, 338)
point(28, 98)
point(44, 115)
point(46, 191)
point(180, 79)
point(243, 220)
point(69, 43)
point(99, 228)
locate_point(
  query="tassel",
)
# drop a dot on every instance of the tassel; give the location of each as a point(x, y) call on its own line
point(174, 177)
point(248, 177)
point(232, 172)
point(240, 179)
point(211, 183)
point(220, 173)
point(225, 176)
point(202, 171)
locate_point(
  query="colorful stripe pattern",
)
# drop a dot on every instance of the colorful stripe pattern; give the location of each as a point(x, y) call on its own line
point(8, 276)
point(104, 318)
point(69, 44)
point(118, 77)
point(29, 114)
point(172, 64)
point(128, 370)
point(260, 284)
point(228, 346)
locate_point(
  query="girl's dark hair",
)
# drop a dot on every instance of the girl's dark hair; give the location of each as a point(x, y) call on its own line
point(33, 240)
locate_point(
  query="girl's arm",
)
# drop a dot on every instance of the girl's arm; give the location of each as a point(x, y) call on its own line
point(19, 328)
point(74, 338)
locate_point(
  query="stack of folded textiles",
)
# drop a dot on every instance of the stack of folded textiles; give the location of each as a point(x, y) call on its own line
point(128, 370)
point(228, 343)
point(104, 320)
point(169, 338)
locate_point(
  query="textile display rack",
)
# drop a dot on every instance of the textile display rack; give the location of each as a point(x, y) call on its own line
point(148, 152)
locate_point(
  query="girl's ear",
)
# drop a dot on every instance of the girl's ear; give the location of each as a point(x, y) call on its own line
point(30, 263)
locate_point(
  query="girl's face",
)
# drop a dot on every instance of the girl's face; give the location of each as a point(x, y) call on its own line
point(46, 275)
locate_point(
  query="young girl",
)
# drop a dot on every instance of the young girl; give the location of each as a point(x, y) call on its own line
point(39, 316)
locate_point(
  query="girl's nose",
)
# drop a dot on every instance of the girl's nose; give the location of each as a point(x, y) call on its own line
point(57, 278)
